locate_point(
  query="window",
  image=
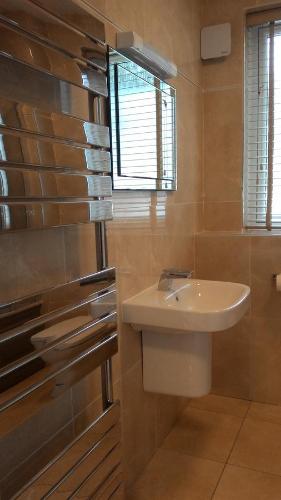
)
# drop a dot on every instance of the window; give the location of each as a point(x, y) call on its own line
point(262, 170)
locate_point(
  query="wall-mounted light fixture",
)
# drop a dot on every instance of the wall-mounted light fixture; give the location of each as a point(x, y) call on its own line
point(132, 45)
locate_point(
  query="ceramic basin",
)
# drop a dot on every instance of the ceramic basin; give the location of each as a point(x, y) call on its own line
point(192, 306)
point(177, 328)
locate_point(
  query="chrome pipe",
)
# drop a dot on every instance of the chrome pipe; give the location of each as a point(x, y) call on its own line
point(106, 382)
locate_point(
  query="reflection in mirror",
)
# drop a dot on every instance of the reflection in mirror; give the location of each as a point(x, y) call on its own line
point(143, 127)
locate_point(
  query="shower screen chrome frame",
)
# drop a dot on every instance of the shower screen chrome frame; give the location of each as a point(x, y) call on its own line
point(162, 96)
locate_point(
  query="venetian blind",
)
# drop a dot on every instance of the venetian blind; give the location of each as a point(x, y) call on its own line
point(262, 172)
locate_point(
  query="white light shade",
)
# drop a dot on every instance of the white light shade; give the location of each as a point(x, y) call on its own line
point(132, 46)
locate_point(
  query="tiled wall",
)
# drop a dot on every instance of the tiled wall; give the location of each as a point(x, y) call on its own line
point(246, 358)
point(151, 231)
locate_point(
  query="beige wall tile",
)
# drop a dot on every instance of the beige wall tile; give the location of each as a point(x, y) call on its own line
point(180, 220)
point(231, 361)
point(158, 19)
point(126, 14)
point(130, 347)
point(96, 4)
point(167, 411)
point(223, 257)
point(222, 216)
point(175, 251)
point(223, 135)
point(265, 261)
point(187, 41)
point(189, 141)
point(139, 423)
point(185, 25)
point(265, 362)
point(171, 475)
point(246, 484)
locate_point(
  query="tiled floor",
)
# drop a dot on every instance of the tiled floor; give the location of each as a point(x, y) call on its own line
point(221, 449)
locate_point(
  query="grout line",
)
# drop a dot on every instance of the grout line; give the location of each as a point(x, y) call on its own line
point(220, 412)
point(228, 457)
point(234, 86)
point(185, 454)
point(205, 458)
point(255, 470)
point(263, 419)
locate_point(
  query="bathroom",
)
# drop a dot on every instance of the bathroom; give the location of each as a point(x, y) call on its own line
point(120, 422)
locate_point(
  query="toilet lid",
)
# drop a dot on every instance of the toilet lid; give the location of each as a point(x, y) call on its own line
point(56, 331)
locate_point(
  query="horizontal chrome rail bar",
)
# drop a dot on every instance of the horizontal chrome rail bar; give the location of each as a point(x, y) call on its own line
point(79, 462)
point(25, 393)
point(106, 275)
point(29, 184)
point(108, 477)
point(6, 370)
point(42, 214)
point(14, 201)
point(46, 318)
point(75, 16)
point(54, 126)
point(52, 62)
point(32, 150)
point(42, 90)
point(89, 476)
point(63, 37)
point(113, 406)
point(115, 490)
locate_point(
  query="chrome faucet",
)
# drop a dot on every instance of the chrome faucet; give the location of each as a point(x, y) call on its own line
point(167, 276)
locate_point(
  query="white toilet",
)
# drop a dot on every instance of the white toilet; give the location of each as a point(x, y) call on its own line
point(66, 351)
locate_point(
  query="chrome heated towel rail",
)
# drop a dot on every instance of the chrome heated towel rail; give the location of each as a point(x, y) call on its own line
point(54, 140)
point(50, 343)
point(59, 419)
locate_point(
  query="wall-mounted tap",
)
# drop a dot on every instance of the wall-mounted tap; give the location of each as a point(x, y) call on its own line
point(167, 276)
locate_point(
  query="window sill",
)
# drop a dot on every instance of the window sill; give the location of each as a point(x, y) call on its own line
point(243, 232)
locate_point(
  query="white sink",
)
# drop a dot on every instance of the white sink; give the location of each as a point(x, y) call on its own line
point(192, 306)
point(176, 328)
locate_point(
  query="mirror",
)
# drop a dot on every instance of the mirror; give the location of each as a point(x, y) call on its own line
point(143, 127)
